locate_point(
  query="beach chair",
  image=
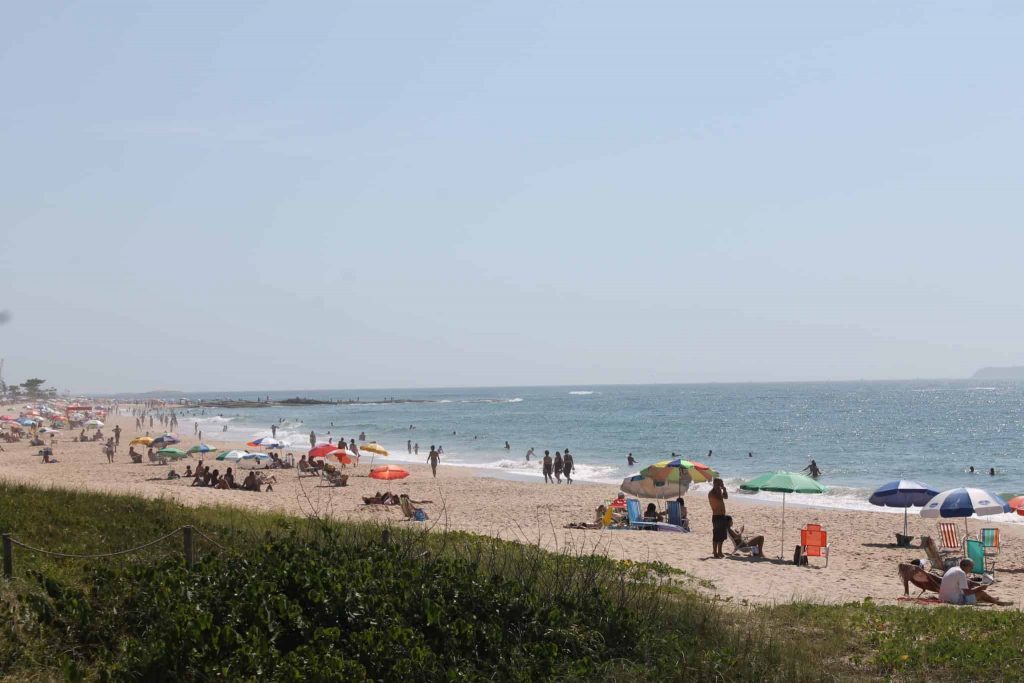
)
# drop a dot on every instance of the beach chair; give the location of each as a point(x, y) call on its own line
point(976, 554)
point(675, 515)
point(814, 542)
point(938, 560)
point(408, 509)
point(925, 580)
point(636, 519)
point(742, 549)
point(608, 516)
point(990, 541)
point(949, 536)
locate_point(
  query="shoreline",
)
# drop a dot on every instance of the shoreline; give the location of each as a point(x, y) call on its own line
point(862, 564)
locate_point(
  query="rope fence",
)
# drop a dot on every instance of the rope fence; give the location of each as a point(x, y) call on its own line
point(187, 532)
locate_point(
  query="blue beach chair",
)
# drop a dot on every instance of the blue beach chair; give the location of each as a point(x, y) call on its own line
point(976, 553)
point(675, 516)
point(636, 519)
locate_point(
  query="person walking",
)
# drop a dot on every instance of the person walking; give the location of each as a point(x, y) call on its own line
point(408, 445)
point(117, 436)
point(558, 467)
point(273, 431)
point(312, 438)
point(719, 521)
point(433, 459)
point(567, 466)
point(546, 467)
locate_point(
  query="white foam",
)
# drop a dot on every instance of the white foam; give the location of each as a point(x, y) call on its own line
point(580, 393)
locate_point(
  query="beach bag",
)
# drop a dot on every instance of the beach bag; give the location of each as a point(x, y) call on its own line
point(798, 557)
point(420, 515)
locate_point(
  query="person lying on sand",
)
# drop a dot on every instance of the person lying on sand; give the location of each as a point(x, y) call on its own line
point(596, 524)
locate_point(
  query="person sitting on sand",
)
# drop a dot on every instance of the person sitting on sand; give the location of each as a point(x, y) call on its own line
point(651, 514)
point(956, 589)
point(188, 472)
point(173, 475)
point(250, 483)
point(229, 477)
point(211, 478)
point(755, 543)
point(47, 458)
point(599, 514)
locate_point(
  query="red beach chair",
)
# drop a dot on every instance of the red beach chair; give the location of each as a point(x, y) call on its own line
point(814, 542)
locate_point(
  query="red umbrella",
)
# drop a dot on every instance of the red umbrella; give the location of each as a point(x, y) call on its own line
point(388, 472)
point(343, 456)
point(1017, 504)
point(320, 450)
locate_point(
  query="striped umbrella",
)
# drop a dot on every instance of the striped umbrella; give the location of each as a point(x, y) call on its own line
point(199, 448)
point(266, 442)
point(680, 472)
point(965, 502)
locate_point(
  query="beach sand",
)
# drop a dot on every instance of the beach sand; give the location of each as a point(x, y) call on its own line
point(863, 564)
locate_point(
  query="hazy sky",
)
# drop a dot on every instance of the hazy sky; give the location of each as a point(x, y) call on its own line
point(245, 195)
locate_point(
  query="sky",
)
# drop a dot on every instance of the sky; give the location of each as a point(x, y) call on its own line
point(249, 195)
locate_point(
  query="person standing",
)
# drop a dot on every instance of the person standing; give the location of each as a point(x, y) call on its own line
point(546, 467)
point(558, 467)
point(273, 431)
point(117, 436)
point(416, 448)
point(408, 445)
point(567, 466)
point(630, 460)
point(312, 438)
point(195, 426)
point(529, 454)
point(719, 521)
point(433, 459)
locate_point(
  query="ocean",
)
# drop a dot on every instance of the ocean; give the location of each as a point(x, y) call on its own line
point(861, 434)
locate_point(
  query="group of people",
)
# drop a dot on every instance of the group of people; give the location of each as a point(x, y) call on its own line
point(555, 468)
point(203, 476)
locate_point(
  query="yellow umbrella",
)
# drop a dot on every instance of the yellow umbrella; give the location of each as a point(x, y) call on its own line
point(143, 440)
point(374, 448)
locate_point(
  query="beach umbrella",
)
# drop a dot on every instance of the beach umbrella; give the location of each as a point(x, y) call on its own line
point(25, 422)
point(321, 449)
point(266, 442)
point(93, 424)
point(250, 460)
point(48, 430)
point(644, 487)
point(339, 454)
point(199, 448)
point(5, 418)
point(141, 441)
point(965, 502)
point(231, 455)
point(784, 482)
point(373, 447)
point(902, 493)
point(1017, 503)
point(388, 472)
point(165, 440)
point(171, 453)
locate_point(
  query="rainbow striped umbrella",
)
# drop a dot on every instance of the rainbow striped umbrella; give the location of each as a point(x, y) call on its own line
point(675, 470)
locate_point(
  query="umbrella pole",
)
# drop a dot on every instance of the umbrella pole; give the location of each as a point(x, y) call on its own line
point(782, 543)
point(905, 522)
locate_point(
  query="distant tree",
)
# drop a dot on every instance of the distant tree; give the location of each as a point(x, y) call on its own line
point(14, 390)
point(33, 386)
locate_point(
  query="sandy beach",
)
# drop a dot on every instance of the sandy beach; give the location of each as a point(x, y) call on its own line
point(862, 564)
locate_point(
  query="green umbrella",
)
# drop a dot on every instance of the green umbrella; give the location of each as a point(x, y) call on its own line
point(201, 448)
point(172, 453)
point(784, 482)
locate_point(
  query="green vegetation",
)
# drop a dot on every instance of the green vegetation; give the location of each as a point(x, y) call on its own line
point(293, 599)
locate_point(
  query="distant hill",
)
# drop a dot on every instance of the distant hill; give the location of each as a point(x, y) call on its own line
point(1013, 372)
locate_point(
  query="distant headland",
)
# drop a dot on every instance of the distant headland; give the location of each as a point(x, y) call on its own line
point(1011, 372)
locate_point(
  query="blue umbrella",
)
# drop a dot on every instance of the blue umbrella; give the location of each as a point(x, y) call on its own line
point(965, 502)
point(902, 493)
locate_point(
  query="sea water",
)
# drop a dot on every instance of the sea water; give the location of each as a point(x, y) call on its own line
point(861, 434)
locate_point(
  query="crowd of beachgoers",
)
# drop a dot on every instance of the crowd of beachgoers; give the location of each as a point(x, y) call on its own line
point(100, 445)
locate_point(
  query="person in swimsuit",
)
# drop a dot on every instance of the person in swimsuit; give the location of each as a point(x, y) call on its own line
point(546, 467)
point(567, 466)
point(433, 459)
point(719, 522)
point(558, 467)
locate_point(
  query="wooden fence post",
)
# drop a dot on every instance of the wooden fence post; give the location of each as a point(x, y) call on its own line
point(189, 548)
point(8, 557)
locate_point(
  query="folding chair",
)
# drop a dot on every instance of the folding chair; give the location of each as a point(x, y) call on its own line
point(950, 538)
point(814, 542)
point(990, 542)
